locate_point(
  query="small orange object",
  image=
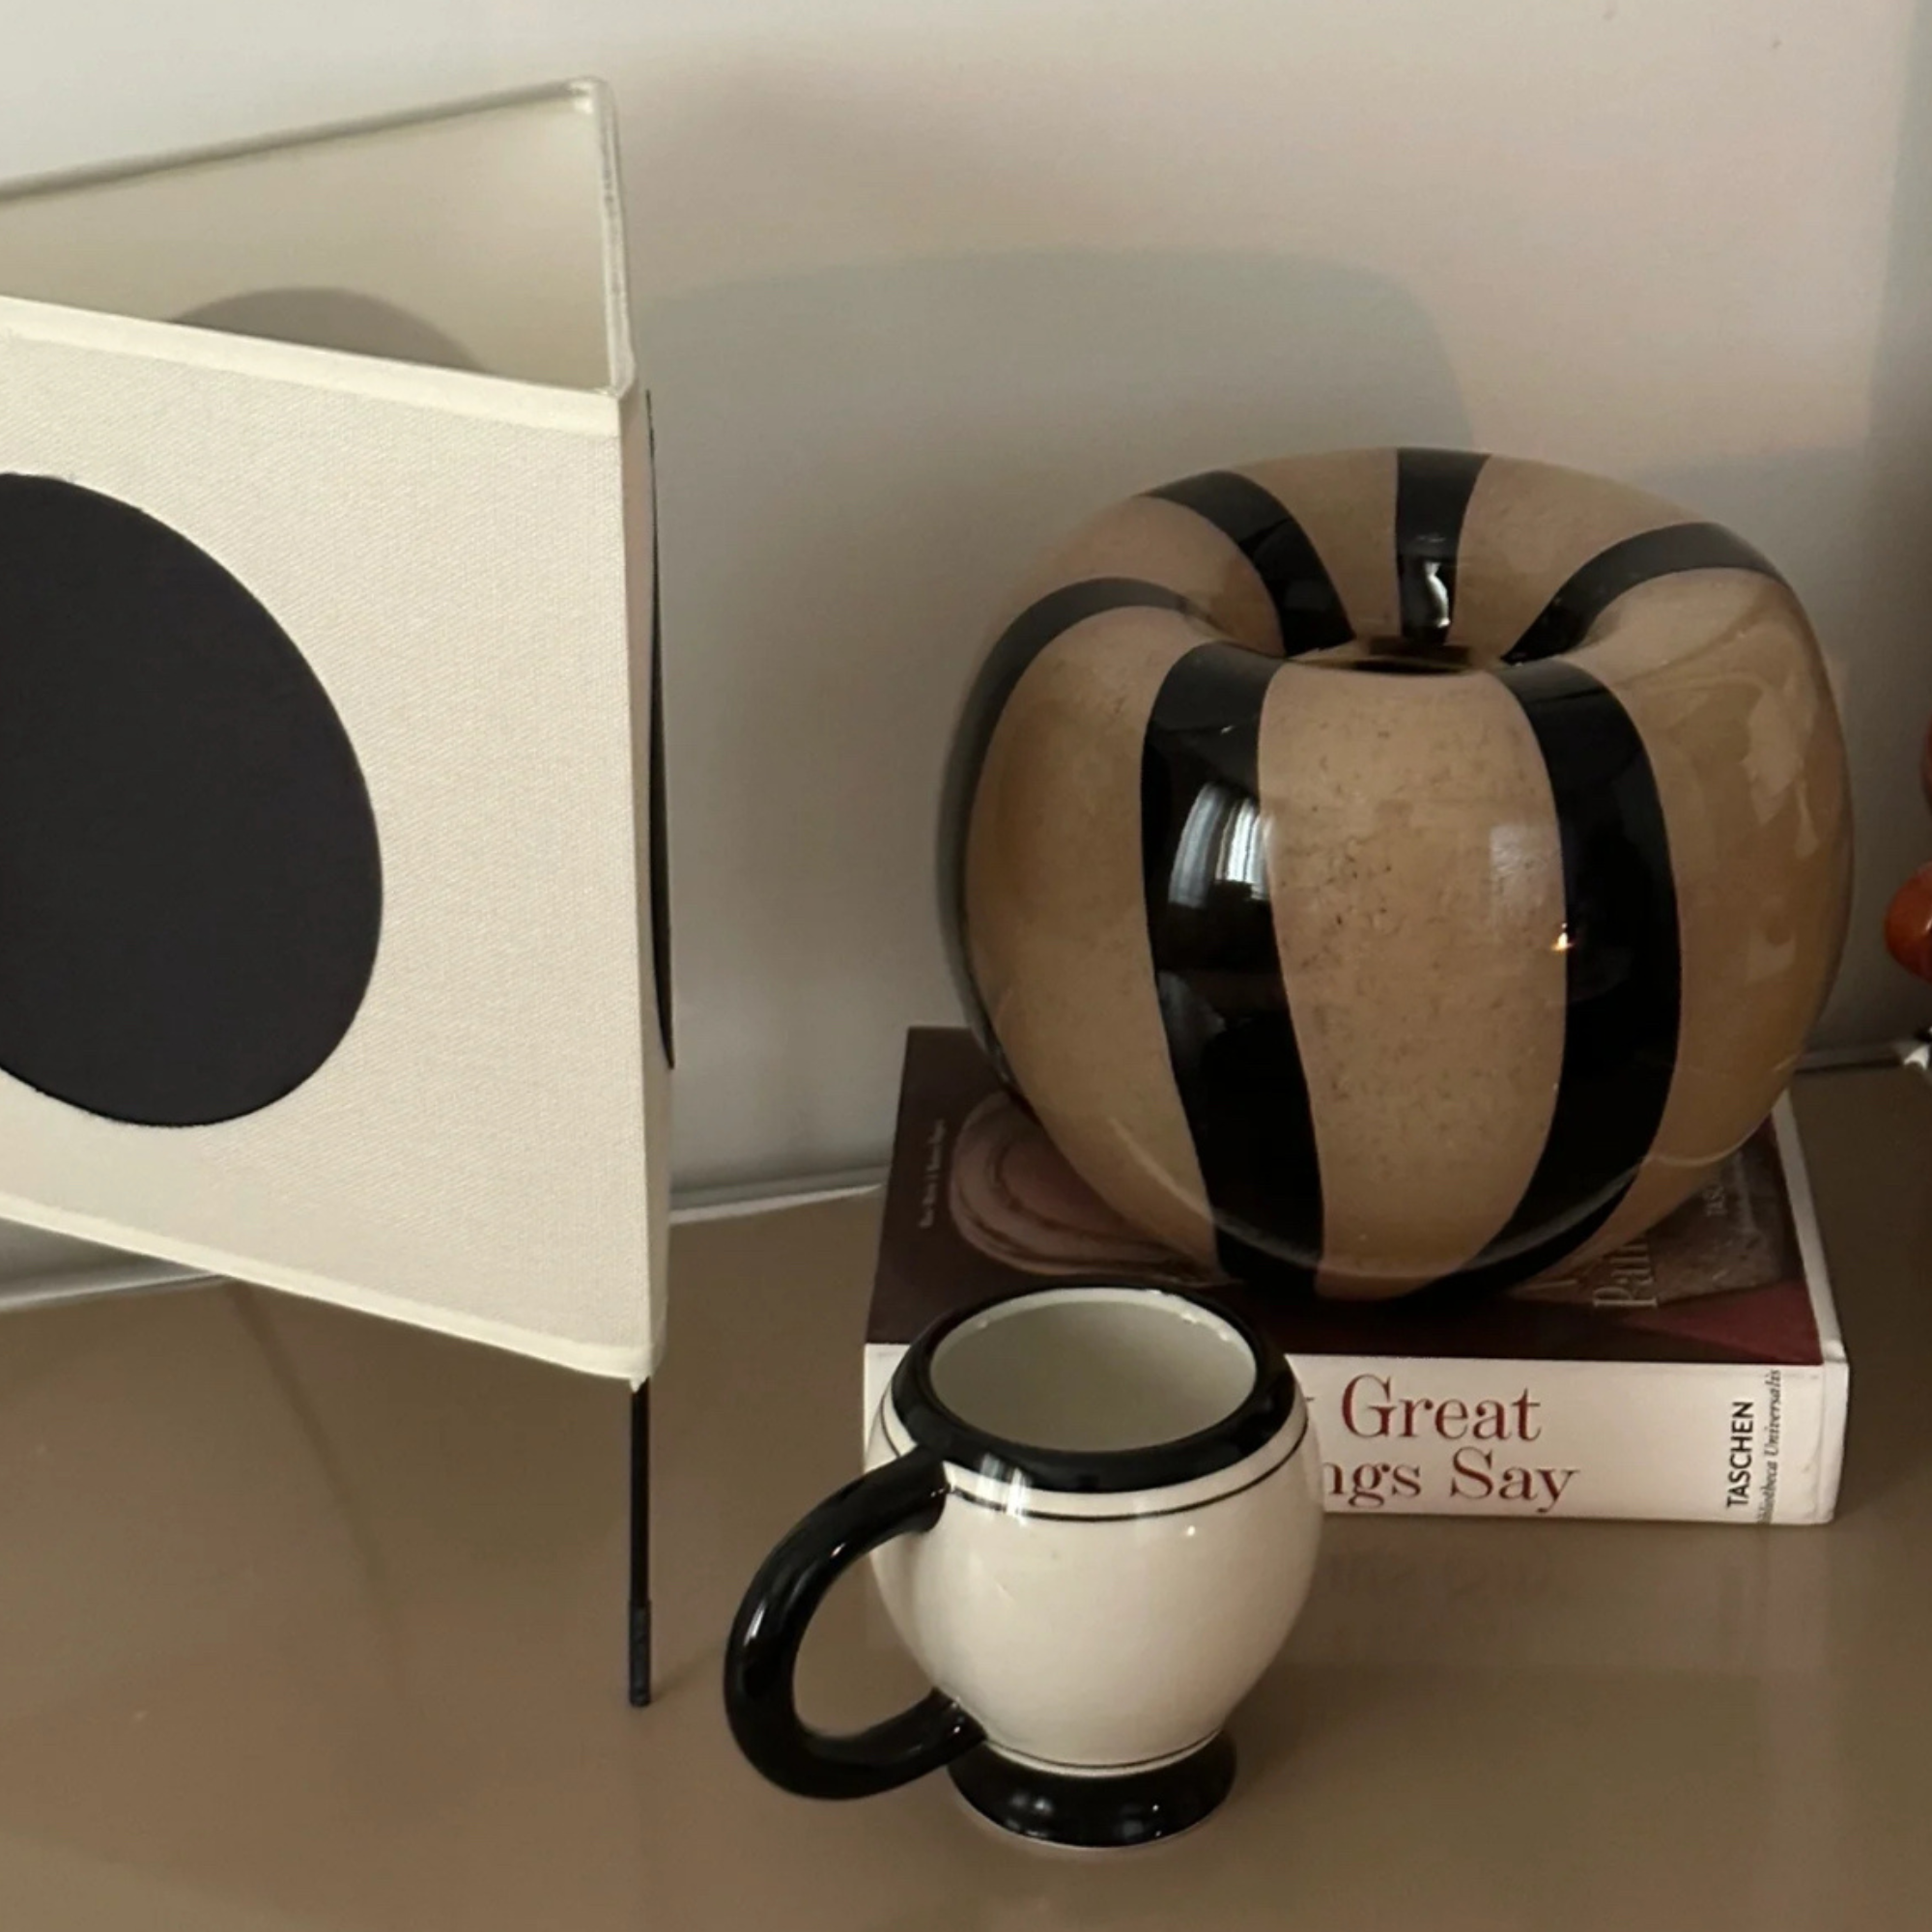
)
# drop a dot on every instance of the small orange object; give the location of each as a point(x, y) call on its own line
point(1908, 926)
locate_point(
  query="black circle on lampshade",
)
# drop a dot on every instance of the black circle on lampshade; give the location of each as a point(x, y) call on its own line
point(190, 884)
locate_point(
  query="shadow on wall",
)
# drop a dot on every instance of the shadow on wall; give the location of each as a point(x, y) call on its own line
point(1851, 528)
point(854, 468)
point(333, 318)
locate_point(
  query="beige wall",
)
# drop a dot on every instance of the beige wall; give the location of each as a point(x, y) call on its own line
point(925, 281)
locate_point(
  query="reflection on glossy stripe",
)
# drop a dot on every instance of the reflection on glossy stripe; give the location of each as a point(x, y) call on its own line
point(1217, 972)
point(1432, 493)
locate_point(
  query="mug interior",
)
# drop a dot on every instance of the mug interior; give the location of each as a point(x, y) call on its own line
point(1092, 1369)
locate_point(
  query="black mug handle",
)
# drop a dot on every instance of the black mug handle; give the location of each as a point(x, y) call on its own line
point(898, 1498)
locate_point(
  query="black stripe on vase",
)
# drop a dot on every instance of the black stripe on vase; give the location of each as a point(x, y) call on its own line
point(1004, 664)
point(1217, 970)
point(1621, 968)
point(1566, 620)
point(1290, 569)
point(1432, 496)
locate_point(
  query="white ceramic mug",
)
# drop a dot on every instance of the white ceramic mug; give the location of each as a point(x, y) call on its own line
point(1094, 1510)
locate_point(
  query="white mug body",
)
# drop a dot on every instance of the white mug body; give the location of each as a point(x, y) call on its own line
point(1094, 1634)
point(1093, 1511)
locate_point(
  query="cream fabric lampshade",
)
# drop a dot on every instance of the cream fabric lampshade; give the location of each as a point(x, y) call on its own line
point(327, 756)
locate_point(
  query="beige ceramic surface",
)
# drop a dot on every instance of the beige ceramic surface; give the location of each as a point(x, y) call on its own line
point(1429, 1020)
point(1145, 537)
point(1720, 674)
point(1411, 828)
point(311, 1624)
point(1525, 531)
point(1342, 500)
point(1059, 942)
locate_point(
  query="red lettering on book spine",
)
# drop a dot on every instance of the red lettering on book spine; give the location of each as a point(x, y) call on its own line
point(1372, 1409)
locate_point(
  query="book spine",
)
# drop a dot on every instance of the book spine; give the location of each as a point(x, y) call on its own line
point(1660, 1441)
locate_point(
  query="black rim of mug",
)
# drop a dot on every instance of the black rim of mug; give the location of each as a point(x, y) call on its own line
point(1253, 1423)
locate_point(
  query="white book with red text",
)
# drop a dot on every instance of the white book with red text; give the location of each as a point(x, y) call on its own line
point(1696, 1373)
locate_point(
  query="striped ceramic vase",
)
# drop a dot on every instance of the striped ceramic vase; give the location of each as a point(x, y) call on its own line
point(1398, 867)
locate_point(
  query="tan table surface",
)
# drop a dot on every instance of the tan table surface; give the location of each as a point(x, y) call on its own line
point(311, 1622)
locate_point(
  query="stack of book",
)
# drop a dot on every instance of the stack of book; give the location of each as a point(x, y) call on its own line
point(1696, 1373)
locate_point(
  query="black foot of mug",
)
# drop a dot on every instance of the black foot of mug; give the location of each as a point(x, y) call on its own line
point(1130, 1808)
